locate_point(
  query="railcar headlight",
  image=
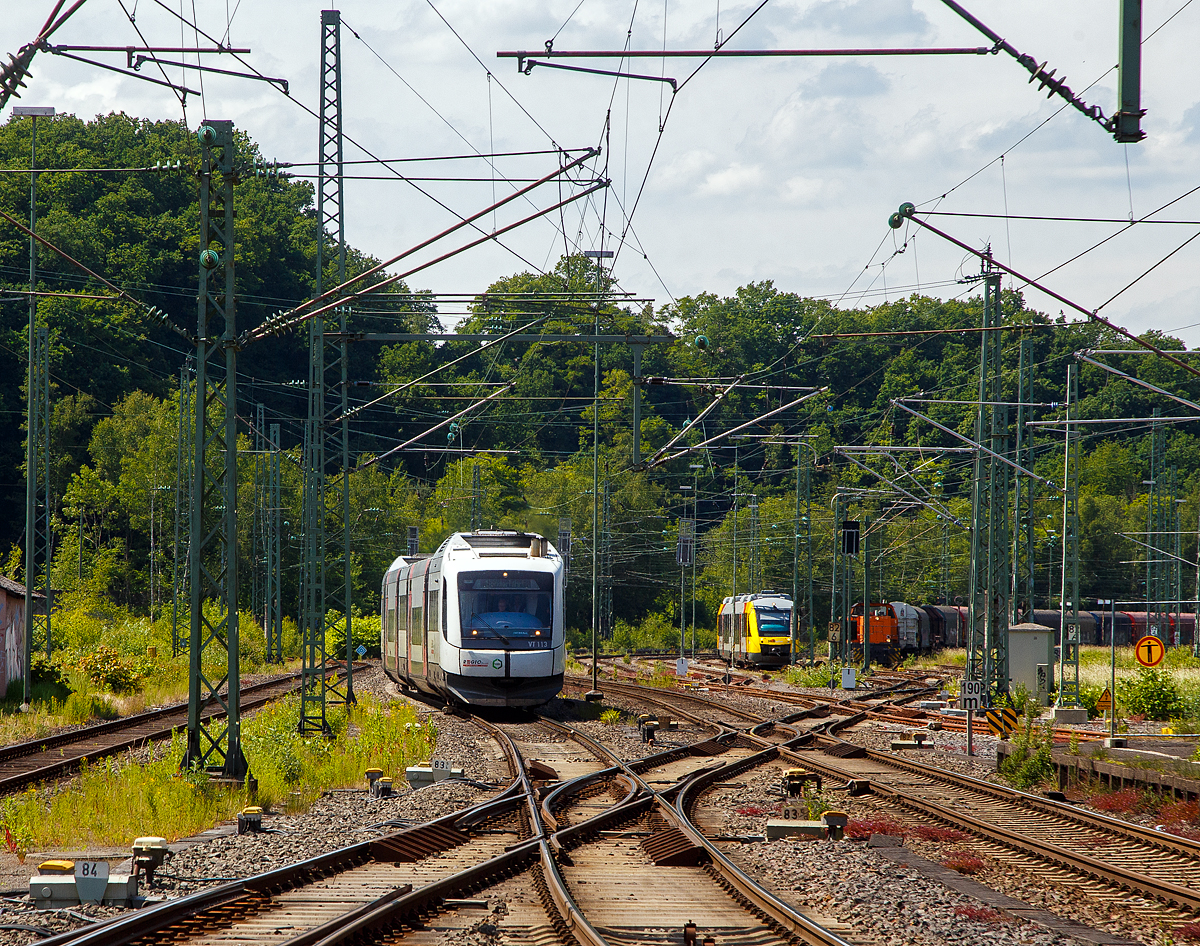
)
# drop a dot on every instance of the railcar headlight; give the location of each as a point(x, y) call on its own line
point(474, 632)
point(537, 633)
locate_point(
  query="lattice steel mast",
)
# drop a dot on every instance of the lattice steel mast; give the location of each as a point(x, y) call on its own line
point(184, 475)
point(273, 603)
point(213, 743)
point(1022, 554)
point(1068, 686)
point(990, 576)
point(327, 565)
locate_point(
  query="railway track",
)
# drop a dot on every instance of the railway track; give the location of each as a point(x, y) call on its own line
point(571, 867)
point(1153, 874)
point(60, 754)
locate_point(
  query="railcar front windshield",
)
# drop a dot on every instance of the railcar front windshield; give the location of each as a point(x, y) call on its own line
point(505, 605)
point(774, 622)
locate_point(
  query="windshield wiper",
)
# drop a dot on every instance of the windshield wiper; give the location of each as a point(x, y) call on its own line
point(495, 630)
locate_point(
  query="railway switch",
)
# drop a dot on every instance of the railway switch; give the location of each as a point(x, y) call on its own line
point(148, 856)
point(249, 820)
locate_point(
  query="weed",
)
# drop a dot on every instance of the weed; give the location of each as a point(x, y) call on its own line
point(980, 914)
point(817, 804)
point(1190, 931)
point(1127, 801)
point(1030, 761)
point(753, 811)
point(811, 677)
point(611, 717)
point(1073, 743)
point(964, 862)
point(80, 707)
point(117, 799)
point(860, 829)
point(1176, 811)
point(928, 832)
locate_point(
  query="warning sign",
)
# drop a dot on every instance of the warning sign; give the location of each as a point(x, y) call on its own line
point(1105, 703)
point(1149, 651)
point(1002, 721)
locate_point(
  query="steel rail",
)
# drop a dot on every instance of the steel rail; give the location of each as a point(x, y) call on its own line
point(154, 920)
point(1161, 890)
point(776, 910)
point(65, 764)
point(1167, 842)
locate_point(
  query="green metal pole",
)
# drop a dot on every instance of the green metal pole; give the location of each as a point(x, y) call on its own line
point(866, 560)
point(32, 423)
point(796, 564)
point(1128, 119)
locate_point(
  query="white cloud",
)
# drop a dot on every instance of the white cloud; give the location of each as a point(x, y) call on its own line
point(846, 140)
point(865, 18)
point(735, 179)
point(804, 190)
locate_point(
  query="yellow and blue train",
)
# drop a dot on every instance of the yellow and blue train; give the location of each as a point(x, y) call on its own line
point(755, 630)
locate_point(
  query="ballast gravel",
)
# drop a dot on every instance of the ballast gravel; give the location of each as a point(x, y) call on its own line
point(868, 897)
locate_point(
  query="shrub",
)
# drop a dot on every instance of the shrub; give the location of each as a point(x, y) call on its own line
point(1151, 693)
point(1177, 811)
point(108, 671)
point(1126, 801)
point(44, 670)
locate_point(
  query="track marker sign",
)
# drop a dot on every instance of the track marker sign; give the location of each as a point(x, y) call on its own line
point(1149, 651)
point(971, 695)
point(1105, 703)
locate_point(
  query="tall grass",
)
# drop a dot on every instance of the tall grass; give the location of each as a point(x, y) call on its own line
point(116, 800)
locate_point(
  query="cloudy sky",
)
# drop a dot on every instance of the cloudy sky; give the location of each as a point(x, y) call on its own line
point(779, 169)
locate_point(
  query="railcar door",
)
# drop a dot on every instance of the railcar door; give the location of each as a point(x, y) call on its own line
point(402, 625)
point(389, 623)
point(416, 633)
point(433, 627)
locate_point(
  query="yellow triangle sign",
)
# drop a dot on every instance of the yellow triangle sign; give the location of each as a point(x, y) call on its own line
point(1105, 703)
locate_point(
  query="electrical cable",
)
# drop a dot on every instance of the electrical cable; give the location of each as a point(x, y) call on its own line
point(349, 138)
point(663, 124)
point(1148, 271)
point(504, 88)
